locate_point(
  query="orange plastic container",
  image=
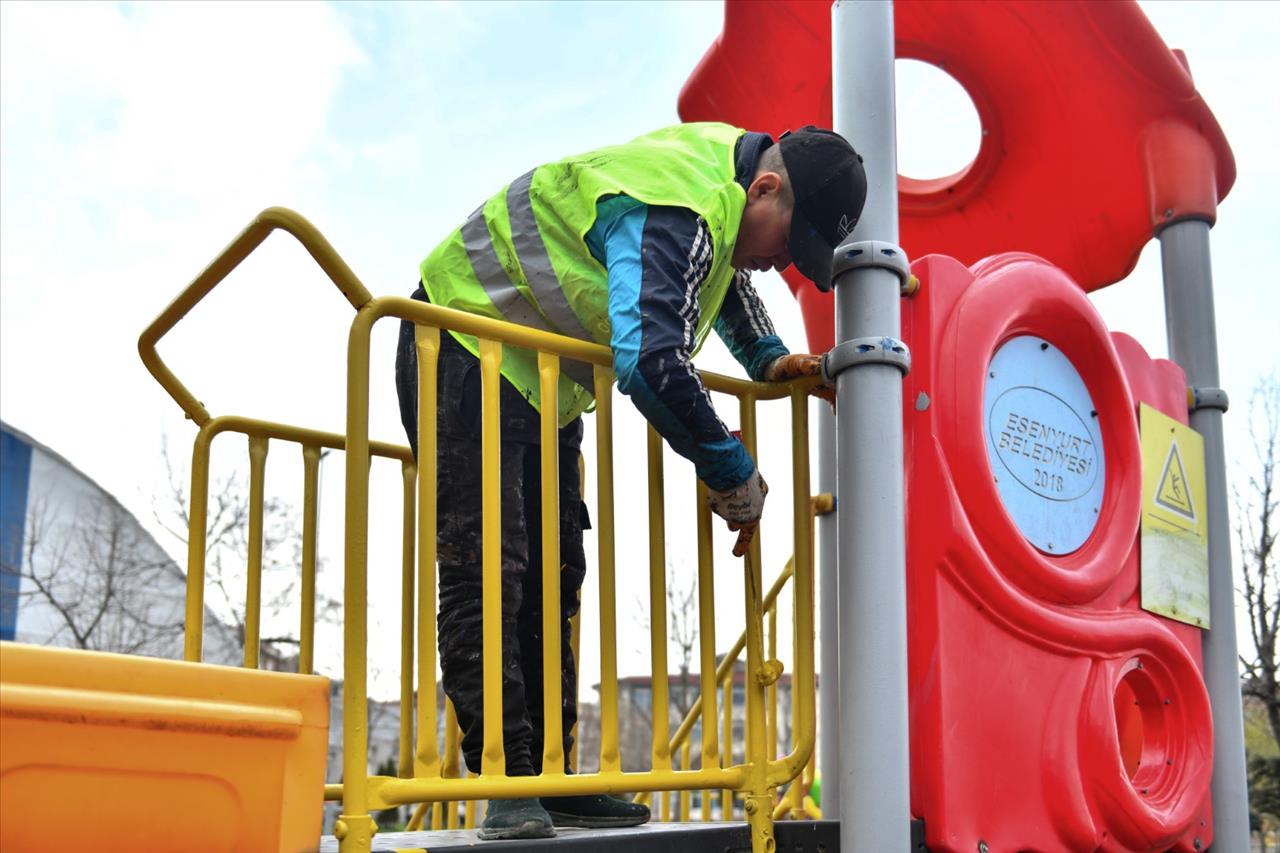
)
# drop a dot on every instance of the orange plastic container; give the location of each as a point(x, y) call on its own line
point(115, 752)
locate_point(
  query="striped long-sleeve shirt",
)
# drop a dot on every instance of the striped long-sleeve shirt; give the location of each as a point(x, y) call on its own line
point(657, 259)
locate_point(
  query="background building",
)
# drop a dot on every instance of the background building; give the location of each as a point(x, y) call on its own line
point(77, 569)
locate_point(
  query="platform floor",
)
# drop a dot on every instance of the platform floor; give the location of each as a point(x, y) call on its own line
point(818, 836)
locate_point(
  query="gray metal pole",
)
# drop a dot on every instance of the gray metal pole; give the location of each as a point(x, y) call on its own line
point(828, 624)
point(1193, 344)
point(874, 750)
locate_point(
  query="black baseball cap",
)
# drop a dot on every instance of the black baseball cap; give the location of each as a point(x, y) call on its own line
point(830, 188)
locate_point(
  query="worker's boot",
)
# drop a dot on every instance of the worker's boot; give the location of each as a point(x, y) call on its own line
point(515, 819)
point(597, 811)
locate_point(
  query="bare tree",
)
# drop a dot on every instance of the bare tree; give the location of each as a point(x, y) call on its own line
point(636, 730)
point(1255, 529)
point(682, 638)
point(106, 584)
point(1256, 534)
point(227, 554)
point(682, 612)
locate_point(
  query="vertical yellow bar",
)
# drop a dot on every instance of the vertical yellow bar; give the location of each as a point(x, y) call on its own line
point(686, 796)
point(409, 473)
point(610, 760)
point(771, 700)
point(310, 526)
point(802, 682)
point(356, 824)
point(493, 758)
point(193, 638)
point(726, 751)
point(758, 796)
point(427, 760)
point(452, 765)
point(658, 606)
point(755, 617)
point(552, 739)
point(575, 632)
point(575, 635)
point(253, 595)
point(706, 632)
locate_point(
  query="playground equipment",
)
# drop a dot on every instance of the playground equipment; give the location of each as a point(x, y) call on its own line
point(1093, 140)
point(1034, 704)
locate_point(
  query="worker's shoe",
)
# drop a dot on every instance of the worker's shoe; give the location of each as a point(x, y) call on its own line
point(515, 819)
point(597, 811)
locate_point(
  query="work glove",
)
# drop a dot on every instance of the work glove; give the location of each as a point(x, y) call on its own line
point(797, 366)
point(741, 507)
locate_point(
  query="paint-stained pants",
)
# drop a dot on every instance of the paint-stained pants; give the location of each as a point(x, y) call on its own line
point(459, 461)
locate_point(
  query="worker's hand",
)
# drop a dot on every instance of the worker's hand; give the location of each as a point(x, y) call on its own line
point(797, 366)
point(741, 508)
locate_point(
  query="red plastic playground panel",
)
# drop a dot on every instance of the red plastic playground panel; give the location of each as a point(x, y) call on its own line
point(1048, 710)
point(1094, 133)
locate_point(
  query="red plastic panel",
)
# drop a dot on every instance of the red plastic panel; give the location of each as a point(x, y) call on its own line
point(1048, 711)
point(1094, 133)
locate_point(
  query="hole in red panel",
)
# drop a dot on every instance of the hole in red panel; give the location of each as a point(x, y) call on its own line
point(1128, 728)
point(939, 131)
point(1142, 729)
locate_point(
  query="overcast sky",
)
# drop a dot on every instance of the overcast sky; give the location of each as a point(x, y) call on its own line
point(137, 139)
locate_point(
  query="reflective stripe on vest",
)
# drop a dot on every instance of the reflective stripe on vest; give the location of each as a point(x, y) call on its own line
point(536, 263)
point(502, 291)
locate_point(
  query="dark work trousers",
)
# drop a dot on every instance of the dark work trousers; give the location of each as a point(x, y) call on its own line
point(459, 461)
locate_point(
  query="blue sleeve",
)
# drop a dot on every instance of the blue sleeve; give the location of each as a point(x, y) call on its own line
point(657, 258)
point(746, 329)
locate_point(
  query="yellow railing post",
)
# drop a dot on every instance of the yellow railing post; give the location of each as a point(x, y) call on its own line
point(427, 343)
point(758, 799)
point(726, 759)
point(802, 682)
point(197, 532)
point(407, 603)
point(610, 759)
point(355, 828)
point(686, 758)
point(253, 594)
point(452, 762)
point(771, 695)
point(310, 528)
point(552, 720)
point(661, 752)
point(493, 759)
point(706, 639)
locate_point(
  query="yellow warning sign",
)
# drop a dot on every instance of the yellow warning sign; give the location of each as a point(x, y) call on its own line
point(1175, 548)
point(1173, 493)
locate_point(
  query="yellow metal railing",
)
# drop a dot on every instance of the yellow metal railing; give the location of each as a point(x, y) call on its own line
point(425, 774)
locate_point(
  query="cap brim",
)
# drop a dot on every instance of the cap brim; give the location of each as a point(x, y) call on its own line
point(810, 253)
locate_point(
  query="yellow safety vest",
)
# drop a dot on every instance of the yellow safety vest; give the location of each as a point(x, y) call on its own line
point(523, 257)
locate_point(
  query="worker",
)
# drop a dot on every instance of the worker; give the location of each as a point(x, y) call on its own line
point(645, 248)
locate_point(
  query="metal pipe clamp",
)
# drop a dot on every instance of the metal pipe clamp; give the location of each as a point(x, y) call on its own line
point(1206, 398)
point(877, 254)
point(870, 350)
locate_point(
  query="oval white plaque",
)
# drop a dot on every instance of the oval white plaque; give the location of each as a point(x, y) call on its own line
point(1043, 444)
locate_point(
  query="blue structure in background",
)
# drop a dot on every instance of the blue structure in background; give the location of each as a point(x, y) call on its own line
point(15, 478)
